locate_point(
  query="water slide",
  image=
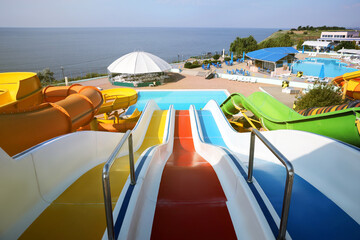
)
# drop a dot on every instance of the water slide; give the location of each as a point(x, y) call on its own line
point(341, 125)
point(64, 110)
point(208, 166)
point(186, 195)
point(38, 114)
point(190, 189)
point(62, 196)
point(115, 124)
point(19, 91)
point(350, 84)
point(117, 98)
point(321, 197)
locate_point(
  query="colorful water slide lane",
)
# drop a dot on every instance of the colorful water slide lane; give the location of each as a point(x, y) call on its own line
point(275, 115)
point(325, 194)
point(72, 208)
point(182, 195)
point(191, 202)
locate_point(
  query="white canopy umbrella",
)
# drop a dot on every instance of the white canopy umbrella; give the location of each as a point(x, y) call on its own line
point(316, 44)
point(350, 51)
point(138, 63)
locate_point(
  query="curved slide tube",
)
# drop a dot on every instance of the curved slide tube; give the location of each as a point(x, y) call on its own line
point(19, 91)
point(117, 98)
point(350, 84)
point(341, 125)
point(319, 110)
point(325, 188)
point(65, 199)
point(114, 125)
point(65, 110)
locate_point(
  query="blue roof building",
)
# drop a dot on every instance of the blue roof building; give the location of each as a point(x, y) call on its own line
point(272, 58)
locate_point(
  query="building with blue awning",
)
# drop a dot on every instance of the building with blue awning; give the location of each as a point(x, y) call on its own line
point(272, 58)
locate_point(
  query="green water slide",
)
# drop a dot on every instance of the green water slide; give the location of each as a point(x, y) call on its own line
point(343, 125)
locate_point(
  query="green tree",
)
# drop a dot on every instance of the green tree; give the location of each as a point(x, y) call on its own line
point(346, 45)
point(240, 45)
point(299, 44)
point(46, 76)
point(321, 95)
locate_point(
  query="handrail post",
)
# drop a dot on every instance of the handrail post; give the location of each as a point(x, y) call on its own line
point(108, 205)
point(106, 180)
point(286, 205)
point(131, 160)
point(251, 157)
point(289, 178)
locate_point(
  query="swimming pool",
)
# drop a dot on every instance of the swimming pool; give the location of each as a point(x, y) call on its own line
point(181, 99)
point(312, 67)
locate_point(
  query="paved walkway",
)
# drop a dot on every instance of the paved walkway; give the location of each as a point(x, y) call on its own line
point(276, 92)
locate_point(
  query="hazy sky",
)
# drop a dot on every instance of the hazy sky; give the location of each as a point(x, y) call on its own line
point(179, 13)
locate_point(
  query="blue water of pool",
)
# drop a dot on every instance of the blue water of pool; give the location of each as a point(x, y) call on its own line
point(180, 99)
point(312, 67)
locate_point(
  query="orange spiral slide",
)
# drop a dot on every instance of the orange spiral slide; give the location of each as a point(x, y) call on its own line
point(63, 110)
point(350, 84)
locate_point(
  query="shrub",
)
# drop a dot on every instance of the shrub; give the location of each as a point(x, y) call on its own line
point(321, 95)
point(305, 32)
point(190, 65)
point(46, 77)
point(216, 57)
point(227, 58)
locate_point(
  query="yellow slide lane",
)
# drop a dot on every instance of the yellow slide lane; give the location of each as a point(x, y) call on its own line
point(79, 212)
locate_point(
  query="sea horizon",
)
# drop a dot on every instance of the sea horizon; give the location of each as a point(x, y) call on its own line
point(80, 50)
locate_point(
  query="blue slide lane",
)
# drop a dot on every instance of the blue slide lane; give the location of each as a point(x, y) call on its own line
point(312, 215)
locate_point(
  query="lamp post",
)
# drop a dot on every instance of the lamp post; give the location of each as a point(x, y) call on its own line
point(62, 70)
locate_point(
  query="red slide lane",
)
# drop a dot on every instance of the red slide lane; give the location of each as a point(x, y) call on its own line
point(191, 203)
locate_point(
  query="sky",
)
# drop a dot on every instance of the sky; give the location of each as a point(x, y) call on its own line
point(280, 14)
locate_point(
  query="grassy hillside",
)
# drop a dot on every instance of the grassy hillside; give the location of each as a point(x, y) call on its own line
point(295, 36)
point(304, 35)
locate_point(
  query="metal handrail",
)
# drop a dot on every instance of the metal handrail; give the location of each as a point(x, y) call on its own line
point(289, 177)
point(106, 180)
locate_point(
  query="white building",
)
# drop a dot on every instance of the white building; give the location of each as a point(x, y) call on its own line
point(337, 37)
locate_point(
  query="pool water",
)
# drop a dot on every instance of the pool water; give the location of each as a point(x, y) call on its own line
point(312, 67)
point(181, 99)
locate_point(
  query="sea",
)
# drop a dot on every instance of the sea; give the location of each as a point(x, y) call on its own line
point(78, 51)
